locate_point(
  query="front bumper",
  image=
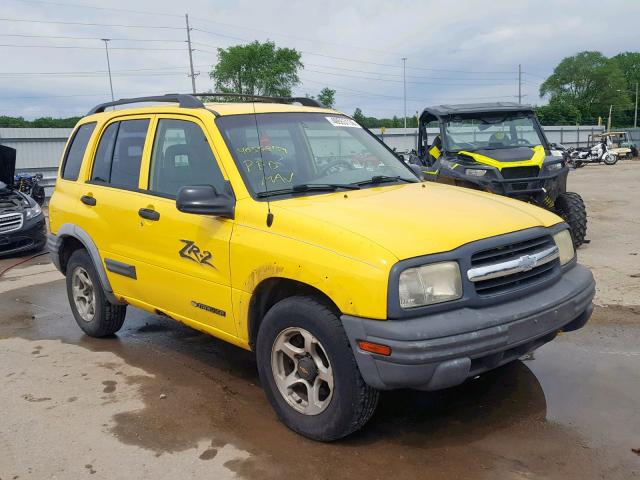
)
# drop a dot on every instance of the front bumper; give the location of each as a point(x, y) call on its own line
point(536, 188)
point(32, 236)
point(444, 349)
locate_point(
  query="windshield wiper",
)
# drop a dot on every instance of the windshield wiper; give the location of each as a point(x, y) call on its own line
point(384, 179)
point(309, 187)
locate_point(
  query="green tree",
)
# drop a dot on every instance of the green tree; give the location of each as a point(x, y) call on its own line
point(358, 116)
point(558, 113)
point(45, 122)
point(588, 82)
point(629, 63)
point(257, 69)
point(327, 97)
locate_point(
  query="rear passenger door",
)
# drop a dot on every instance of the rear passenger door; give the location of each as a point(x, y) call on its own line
point(113, 191)
point(184, 256)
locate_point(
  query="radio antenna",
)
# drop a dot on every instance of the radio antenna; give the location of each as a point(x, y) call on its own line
point(264, 175)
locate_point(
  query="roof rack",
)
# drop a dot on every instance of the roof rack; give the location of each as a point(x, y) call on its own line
point(185, 101)
point(304, 101)
point(192, 101)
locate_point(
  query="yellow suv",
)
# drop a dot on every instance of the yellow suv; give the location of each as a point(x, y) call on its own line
point(286, 228)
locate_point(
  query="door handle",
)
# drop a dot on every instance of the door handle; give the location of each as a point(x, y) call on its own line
point(149, 214)
point(87, 200)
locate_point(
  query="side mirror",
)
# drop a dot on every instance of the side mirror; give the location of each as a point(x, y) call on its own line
point(205, 200)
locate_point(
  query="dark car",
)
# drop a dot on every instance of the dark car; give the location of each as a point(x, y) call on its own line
point(22, 224)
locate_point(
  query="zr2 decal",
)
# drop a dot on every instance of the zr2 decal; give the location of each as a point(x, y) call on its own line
point(191, 251)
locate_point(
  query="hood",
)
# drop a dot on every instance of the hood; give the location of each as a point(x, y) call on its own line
point(516, 156)
point(417, 219)
point(7, 165)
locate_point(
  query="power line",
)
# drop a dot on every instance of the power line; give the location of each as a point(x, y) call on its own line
point(397, 97)
point(79, 47)
point(354, 60)
point(60, 22)
point(82, 72)
point(398, 75)
point(400, 81)
point(64, 37)
point(112, 9)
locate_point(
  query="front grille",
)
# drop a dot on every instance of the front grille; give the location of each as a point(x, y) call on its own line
point(10, 222)
point(513, 251)
point(515, 173)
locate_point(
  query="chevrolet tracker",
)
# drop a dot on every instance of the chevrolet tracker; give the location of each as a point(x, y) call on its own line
point(285, 228)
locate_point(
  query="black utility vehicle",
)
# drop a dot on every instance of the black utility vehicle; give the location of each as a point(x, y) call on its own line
point(499, 148)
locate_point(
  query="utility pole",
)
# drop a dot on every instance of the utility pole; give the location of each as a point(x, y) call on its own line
point(519, 84)
point(192, 74)
point(106, 48)
point(609, 122)
point(635, 116)
point(404, 81)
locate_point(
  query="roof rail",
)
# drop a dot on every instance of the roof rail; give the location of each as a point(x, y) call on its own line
point(305, 101)
point(185, 101)
point(191, 100)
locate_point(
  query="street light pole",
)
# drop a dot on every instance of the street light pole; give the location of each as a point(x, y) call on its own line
point(106, 49)
point(404, 82)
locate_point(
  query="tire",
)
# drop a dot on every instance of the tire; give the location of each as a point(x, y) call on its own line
point(351, 402)
point(610, 159)
point(104, 318)
point(571, 208)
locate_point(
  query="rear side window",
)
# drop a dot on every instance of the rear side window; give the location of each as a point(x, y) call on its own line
point(119, 154)
point(75, 152)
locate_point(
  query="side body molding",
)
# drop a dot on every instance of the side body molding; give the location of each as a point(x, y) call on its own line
point(54, 242)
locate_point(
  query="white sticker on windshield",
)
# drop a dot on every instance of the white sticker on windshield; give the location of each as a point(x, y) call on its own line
point(342, 122)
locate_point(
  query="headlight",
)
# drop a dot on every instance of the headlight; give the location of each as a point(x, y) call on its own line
point(554, 166)
point(429, 284)
point(33, 212)
point(475, 172)
point(564, 242)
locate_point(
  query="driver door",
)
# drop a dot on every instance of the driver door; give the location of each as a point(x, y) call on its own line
point(185, 256)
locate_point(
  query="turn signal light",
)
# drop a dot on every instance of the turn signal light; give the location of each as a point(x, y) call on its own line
point(374, 348)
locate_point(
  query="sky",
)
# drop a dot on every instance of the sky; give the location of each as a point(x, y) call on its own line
point(53, 61)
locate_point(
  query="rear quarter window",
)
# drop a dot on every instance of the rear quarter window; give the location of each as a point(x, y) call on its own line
point(75, 152)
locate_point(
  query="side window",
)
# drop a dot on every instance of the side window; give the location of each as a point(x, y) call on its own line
point(182, 156)
point(119, 154)
point(102, 161)
point(75, 152)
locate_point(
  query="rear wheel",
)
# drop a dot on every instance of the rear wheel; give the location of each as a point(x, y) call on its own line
point(571, 208)
point(309, 373)
point(94, 314)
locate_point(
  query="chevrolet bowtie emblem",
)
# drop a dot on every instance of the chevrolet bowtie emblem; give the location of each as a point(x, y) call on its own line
point(527, 262)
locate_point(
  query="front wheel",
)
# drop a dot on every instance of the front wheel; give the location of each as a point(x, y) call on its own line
point(610, 159)
point(571, 208)
point(309, 372)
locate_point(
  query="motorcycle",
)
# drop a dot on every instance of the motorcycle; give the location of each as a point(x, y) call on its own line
point(30, 184)
point(599, 153)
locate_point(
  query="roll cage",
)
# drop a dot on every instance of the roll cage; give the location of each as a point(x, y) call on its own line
point(444, 113)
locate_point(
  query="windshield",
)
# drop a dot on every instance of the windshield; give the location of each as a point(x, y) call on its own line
point(308, 152)
point(491, 132)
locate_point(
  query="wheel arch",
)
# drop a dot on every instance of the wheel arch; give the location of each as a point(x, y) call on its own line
point(70, 238)
point(270, 291)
